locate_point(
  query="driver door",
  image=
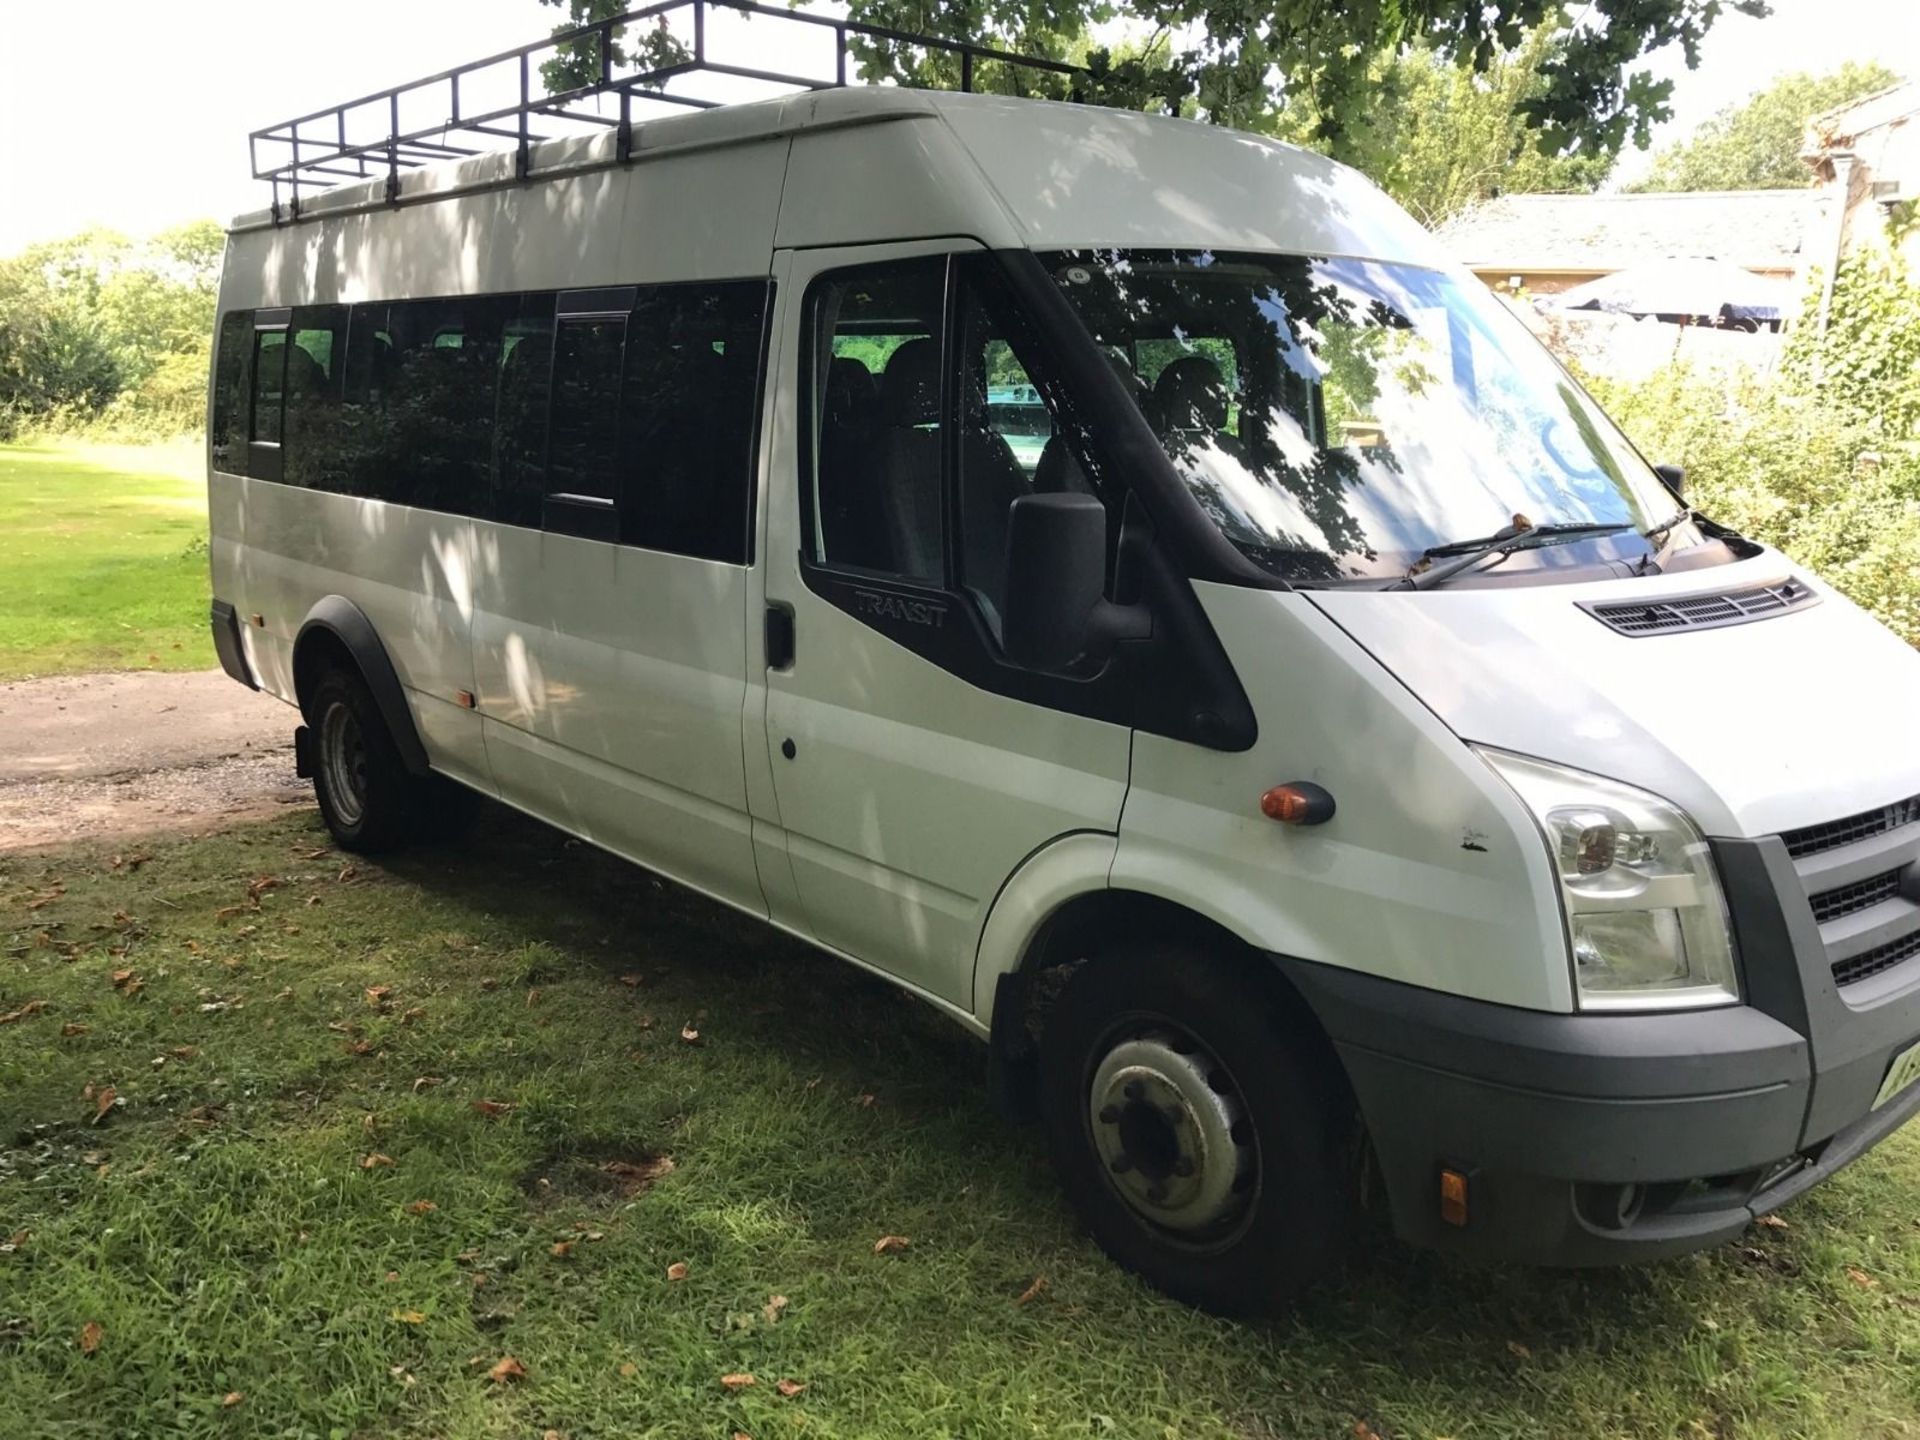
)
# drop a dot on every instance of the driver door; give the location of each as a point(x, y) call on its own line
point(914, 767)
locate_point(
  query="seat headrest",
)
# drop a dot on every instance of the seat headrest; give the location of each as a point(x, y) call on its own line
point(851, 391)
point(910, 385)
point(1191, 395)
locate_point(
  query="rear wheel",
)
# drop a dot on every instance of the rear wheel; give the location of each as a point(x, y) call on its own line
point(368, 800)
point(1193, 1130)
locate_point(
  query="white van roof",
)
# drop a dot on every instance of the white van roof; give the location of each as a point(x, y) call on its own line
point(870, 163)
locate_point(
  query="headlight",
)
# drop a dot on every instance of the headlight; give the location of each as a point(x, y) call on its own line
point(1646, 920)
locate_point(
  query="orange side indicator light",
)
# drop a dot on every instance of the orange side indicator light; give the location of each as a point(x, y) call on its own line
point(1453, 1198)
point(464, 699)
point(1298, 802)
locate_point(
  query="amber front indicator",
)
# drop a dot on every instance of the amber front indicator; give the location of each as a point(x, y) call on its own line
point(1299, 802)
point(1453, 1197)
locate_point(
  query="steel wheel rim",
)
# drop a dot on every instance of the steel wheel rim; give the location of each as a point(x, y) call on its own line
point(1170, 1128)
point(343, 761)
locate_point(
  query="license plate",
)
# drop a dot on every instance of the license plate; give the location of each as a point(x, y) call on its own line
point(1902, 1073)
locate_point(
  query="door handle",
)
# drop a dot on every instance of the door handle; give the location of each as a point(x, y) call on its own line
point(779, 635)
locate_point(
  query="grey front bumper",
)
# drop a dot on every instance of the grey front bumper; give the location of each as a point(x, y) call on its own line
point(1603, 1139)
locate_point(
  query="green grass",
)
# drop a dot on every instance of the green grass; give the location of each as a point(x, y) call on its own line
point(103, 558)
point(219, 1226)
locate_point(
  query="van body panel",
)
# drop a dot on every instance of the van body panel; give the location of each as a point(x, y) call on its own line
point(910, 794)
point(611, 680)
point(1047, 880)
point(1077, 175)
point(932, 188)
point(1525, 669)
point(1429, 872)
point(411, 572)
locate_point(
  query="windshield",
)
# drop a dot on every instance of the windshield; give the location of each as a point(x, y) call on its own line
point(1336, 417)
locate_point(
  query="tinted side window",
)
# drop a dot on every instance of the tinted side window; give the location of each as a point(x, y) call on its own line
point(692, 379)
point(520, 411)
point(316, 348)
point(359, 466)
point(230, 393)
point(875, 398)
point(438, 402)
point(584, 435)
point(269, 380)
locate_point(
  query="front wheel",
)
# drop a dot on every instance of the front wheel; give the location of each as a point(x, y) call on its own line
point(1195, 1129)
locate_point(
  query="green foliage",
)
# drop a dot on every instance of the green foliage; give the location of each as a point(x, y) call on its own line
point(103, 560)
point(1756, 145)
point(1237, 62)
point(98, 328)
point(1816, 461)
point(1443, 134)
point(1866, 363)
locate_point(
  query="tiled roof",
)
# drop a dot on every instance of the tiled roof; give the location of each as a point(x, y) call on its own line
point(1760, 229)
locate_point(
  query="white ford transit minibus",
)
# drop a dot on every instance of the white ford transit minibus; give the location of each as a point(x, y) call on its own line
point(1117, 578)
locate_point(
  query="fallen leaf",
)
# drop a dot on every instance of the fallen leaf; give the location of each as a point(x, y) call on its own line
point(231, 1399)
point(422, 1207)
point(507, 1369)
point(91, 1334)
point(1773, 1222)
point(425, 1082)
point(227, 912)
point(341, 1027)
point(1518, 1351)
point(1034, 1291)
point(32, 1007)
point(1861, 1278)
point(738, 1382)
point(412, 1015)
point(1364, 1431)
point(631, 981)
point(489, 983)
point(789, 1388)
point(184, 1052)
point(345, 875)
point(15, 1241)
point(103, 1102)
point(633, 1177)
point(491, 1108)
point(533, 997)
point(122, 978)
point(865, 1102)
point(313, 899)
point(677, 1270)
point(890, 1244)
point(377, 995)
point(260, 887)
point(375, 1161)
point(562, 1248)
point(773, 1307)
point(408, 1317)
point(70, 1029)
point(689, 1034)
point(629, 1369)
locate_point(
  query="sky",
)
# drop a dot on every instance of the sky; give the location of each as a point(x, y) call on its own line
point(151, 128)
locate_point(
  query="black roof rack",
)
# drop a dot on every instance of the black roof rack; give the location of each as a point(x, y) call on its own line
point(425, 121)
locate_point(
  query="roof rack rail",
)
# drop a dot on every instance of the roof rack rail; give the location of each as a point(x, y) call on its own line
point(336, 144)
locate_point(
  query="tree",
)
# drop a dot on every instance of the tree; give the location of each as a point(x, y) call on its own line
point(1238, 61)
point(1756, 145)
point(1443, 135)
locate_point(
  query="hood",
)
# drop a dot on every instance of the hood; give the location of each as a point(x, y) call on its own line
point(1806, 715)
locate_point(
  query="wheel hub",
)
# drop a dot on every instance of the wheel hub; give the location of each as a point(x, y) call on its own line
point(1170, 1130)
point(343, 756)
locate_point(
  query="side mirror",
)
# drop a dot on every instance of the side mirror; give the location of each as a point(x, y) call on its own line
point(1674, 478)
point(1056, 610)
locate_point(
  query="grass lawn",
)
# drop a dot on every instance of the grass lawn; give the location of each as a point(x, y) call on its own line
point(330, 1140)
point(103, 559)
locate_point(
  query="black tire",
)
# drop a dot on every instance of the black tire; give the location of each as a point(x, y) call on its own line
point(368, 800)
point(1245, 1247)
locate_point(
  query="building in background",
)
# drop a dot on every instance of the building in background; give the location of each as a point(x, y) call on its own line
point(1543, 244)
point(1866, 167)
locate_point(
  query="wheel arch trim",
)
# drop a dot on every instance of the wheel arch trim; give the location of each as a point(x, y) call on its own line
point(338, 618)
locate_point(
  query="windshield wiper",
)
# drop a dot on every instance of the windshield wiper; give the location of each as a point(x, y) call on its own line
point(1523, 534)
point(1656, 535)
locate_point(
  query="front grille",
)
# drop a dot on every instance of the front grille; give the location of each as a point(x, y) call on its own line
point(1830, 835)
point(1852, 899)
point(1856, 968)
point(1700, 612)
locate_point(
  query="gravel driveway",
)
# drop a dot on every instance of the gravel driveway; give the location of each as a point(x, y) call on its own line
point(92, 756)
